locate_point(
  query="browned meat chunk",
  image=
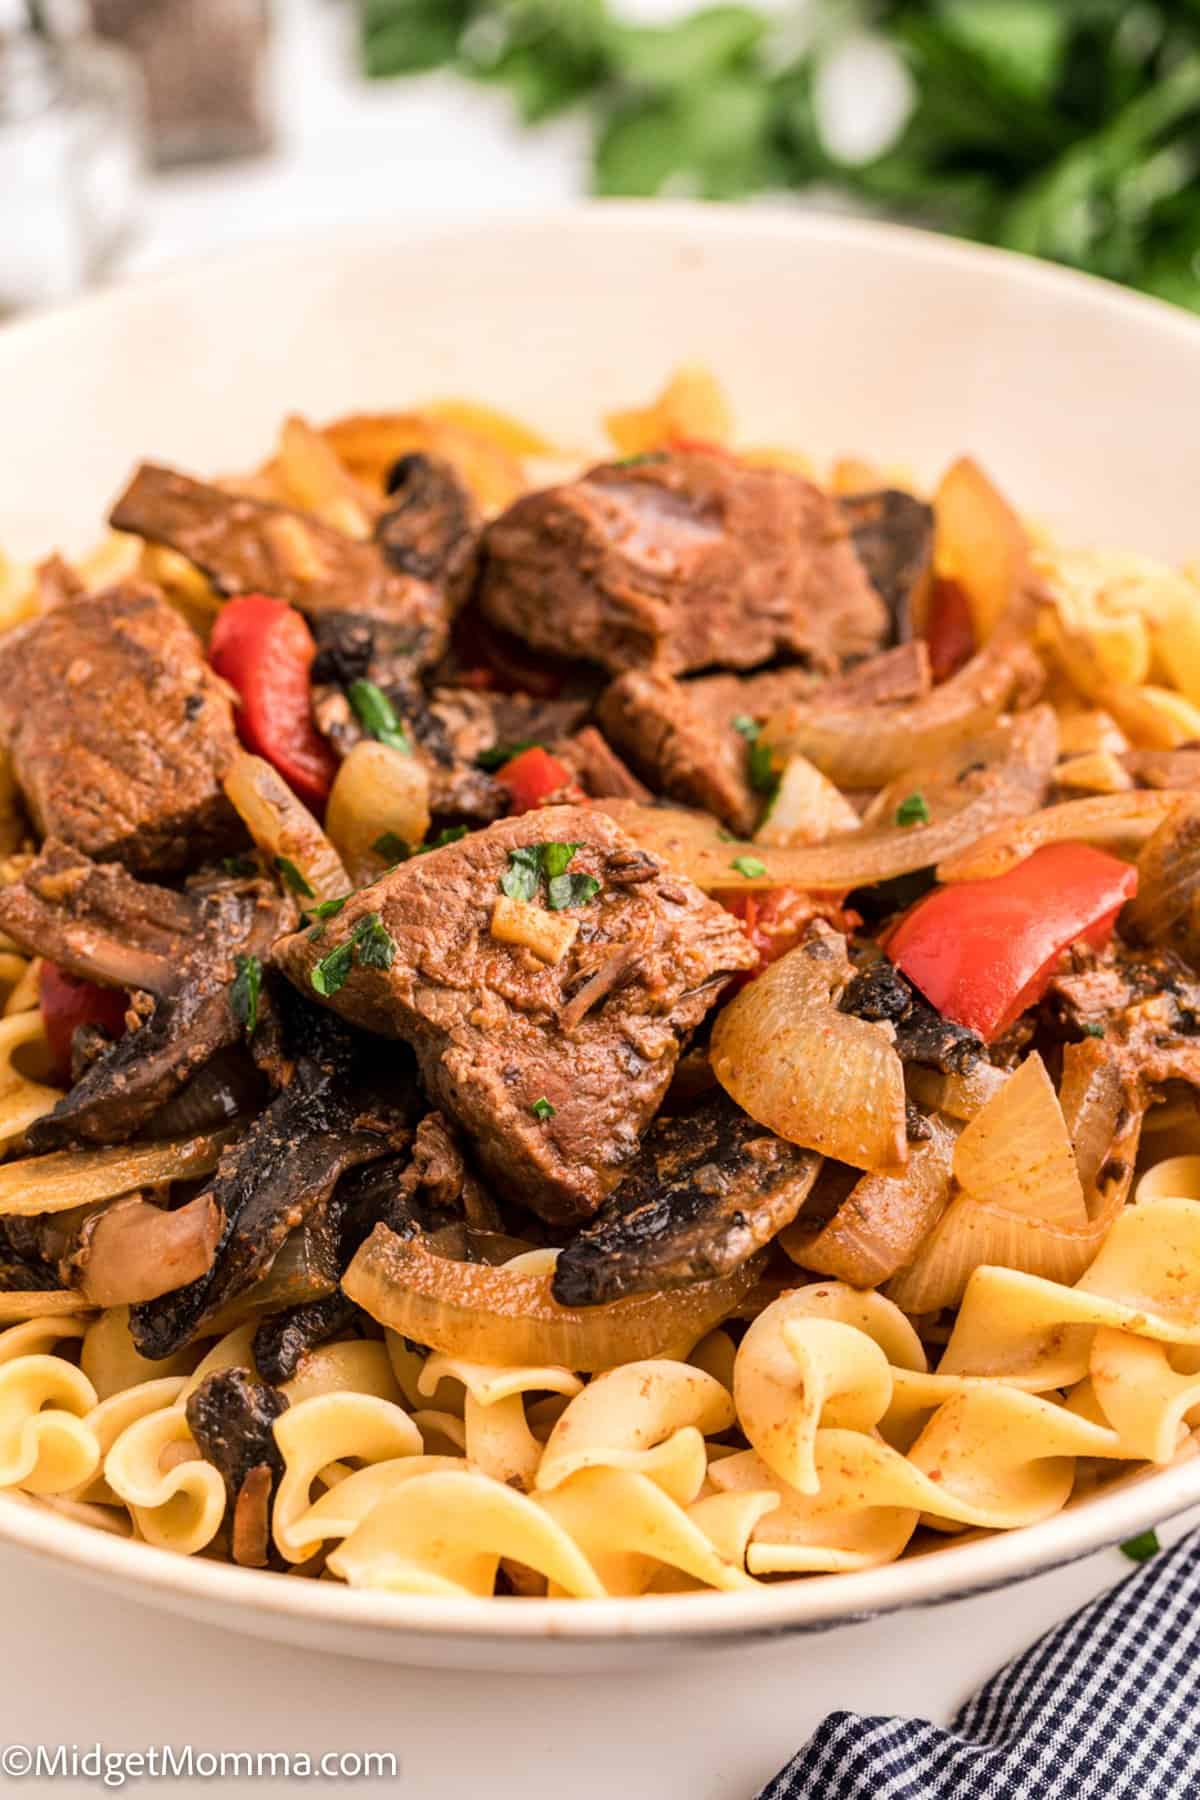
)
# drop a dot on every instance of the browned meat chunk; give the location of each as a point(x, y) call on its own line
point(681, 561)
point(555, 1090)
point(118, 732)
point(597, 767)
point(679, 748)
point(431, 528)
point(893, 678)
point(252, 546)
point(893, 536)
point(706, 1191)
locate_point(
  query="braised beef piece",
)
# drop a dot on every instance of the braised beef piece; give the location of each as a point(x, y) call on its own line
point(232, 1415)
point(1144, 1004)
point(1164, 768)
point(705, 1191)
point(892, 533)
point(923, 1036)
point(345, 1103)
point(430, 529)
point(486, 1017)
point(678, 748)
point(118, 731)
point(598, 769)
point(681, 561)
point(182, 949)
point(892, 678)
point(255, 546)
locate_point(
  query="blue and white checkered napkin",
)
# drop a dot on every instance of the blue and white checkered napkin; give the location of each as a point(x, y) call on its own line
point(1105, 1707)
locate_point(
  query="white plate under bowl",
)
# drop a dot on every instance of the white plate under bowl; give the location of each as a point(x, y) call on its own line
point(831, 336)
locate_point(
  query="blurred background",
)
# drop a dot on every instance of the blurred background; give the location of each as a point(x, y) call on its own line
point(135, 133)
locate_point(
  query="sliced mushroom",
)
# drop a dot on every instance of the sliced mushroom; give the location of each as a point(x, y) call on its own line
point(706, 1191)
point(232, 1417)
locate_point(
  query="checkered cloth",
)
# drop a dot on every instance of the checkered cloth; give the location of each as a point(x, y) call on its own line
point(1105, 1707)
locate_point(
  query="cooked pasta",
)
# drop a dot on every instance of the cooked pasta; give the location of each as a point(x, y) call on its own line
point(584, 1299)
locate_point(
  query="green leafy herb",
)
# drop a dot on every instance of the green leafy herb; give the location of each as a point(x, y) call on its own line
point(913, 810)
point(392, 848)
point(244, 991)
point(332, 971)
point(319, 916)
point(542, 1109)
point(727, 837)
point(450, 835)
point(499, 754)
point(570, 890)
point(376, 714)
point(763, 778)
point(239, 866)
point(1141, 1548)
point(749, 866)
point(369, 943)
point(1092, 1029)
point(555, 858)
point(642, 457)
point(521, 879)
point(293, 877)
point(747, 727)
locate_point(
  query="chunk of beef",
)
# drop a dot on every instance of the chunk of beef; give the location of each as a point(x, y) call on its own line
point(118, 731)
point(254, 546)
point(705, 1191)
point(598, 769)
point(180, 948)
point(882, 994)
point(892, 678)
point(1143, 1003)
point(232, 1417)
point(681, 561)
point(892, 533)
point(345, 1104)
point(486, 1017)
point(680, 750)
point(431, 527)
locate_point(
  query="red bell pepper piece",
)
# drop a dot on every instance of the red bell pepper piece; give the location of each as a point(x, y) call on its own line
point(950, 629)
point(983, 952)
point(531, 777)
point(67, 1002)
point(264, 649)
point(776, 919)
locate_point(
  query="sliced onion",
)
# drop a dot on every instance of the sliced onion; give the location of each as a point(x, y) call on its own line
point(377, 791)
point(1113, 820)
point(958, 1096)
point(865, 746)
point(67, 1178)
point(302, 1271)
point(1092, 1098)
point(821, 1078)
point(1164, 909)
point(1016, 1151)
point(807, 809)
point(42, 1303)
point(1001, 775)
point(282, 826)
point(883, 1221)
point(979, 542)
point(497, 1315)
point(972, 1234)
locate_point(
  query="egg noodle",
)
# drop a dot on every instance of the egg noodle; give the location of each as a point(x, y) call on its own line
point(823, 1426)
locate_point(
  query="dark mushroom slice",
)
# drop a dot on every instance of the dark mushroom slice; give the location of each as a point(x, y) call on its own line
point(348, 1101)
point(705, 1192)
point(23, 1269)
point(193, 1015)
point(232, 1417)
point(254, 546)
point(431, 528)
point(882, 994)
point(892, 533)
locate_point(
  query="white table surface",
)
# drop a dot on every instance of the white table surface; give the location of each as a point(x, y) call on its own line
point(78, 1668)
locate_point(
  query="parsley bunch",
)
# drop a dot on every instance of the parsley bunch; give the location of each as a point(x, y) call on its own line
point(1066, 128)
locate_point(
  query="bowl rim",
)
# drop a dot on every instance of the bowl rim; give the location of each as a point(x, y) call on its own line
point(814, 1602)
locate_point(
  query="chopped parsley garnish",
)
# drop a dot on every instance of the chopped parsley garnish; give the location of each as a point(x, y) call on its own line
point(749, 866)
point(391, 847)
point(370, 943)
point(451, 835)
point(529, 862)
point(244, 991)
point(763, 778)
point(542, 1109)
point(1142, 1547)
point(727, 837)
point(499, 754)
point(1091, 1029)
point(913, 811)
point(570, 890)
point(376, 714)
point(239, 865)
point(322, 913)
point(643, 456)
point(747, 727)
point(295, 880)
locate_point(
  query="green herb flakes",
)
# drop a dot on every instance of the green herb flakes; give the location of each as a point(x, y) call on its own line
point(1092, 1029)
point(244, 992)
point(332, 971)
point(392, 848)
point(377, 716)
point(295, 880)
point(527, 865)
point(913, 810)
point(369, 943)
point(570, 890)
point(1141, 1548)
point(523, 875)
point(239, 866)
point(499, 754)
point(749, 866)
point(542, 1109)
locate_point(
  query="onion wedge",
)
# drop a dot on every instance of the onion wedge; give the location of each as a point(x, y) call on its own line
point(67, 1178)
point(282, 826)
point(498, 1315)
point(1112, 821)
point(821, 1078)
point(1165, 909)
point(1016, 1151)
point(979, 542)
point(883, 1221)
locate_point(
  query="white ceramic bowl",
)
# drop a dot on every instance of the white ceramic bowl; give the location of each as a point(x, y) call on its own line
point(831, 336)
